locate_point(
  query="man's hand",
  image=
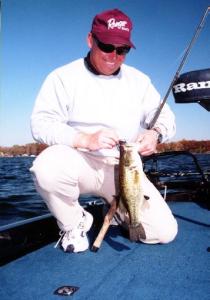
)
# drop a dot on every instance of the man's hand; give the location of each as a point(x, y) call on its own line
point(102, 139)
point(147, 142)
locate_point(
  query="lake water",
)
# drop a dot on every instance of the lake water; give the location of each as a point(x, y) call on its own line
point(19, 199)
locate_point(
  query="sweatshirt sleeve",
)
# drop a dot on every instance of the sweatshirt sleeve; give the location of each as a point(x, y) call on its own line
point(166, 119)
point(49, 119)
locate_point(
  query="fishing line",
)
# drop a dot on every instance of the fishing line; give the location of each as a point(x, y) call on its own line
point(195, 36)
point(180, 56)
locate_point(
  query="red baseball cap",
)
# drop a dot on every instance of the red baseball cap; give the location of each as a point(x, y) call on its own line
point(113, 27)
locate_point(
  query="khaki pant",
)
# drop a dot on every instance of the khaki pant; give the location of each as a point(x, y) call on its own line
point(61, 174)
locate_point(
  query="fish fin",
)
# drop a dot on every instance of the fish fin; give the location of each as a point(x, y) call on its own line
point(146, 197)
point(116, 198)
point(121, 206)
point(136, 232)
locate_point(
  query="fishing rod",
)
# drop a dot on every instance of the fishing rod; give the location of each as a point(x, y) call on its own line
point(197, 32)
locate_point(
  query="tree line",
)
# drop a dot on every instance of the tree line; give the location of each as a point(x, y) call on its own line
point(33, 149)
point(186, 145)
point(20, 150)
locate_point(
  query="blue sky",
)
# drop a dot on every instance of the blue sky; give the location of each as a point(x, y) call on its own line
point(40, 35)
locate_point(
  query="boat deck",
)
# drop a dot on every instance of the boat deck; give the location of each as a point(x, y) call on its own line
point(120, 269)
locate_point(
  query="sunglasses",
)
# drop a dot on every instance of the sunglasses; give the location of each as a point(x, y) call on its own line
point(109, 48)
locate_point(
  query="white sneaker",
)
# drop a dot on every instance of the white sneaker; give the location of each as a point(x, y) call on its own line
point(76, 239)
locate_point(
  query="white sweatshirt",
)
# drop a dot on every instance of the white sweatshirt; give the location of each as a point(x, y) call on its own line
point(73, 99)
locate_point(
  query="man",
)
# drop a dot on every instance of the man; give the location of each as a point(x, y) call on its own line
point(82, 111)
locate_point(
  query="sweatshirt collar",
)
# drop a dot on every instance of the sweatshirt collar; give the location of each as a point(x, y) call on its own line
point(92, 69)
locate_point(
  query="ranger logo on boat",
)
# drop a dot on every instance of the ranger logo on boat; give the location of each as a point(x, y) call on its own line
point(183, 87)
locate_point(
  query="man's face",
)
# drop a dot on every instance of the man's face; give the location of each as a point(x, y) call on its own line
point(104, 63)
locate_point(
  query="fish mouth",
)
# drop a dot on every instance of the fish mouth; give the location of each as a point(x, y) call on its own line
point(126, 144)
point(122, 142)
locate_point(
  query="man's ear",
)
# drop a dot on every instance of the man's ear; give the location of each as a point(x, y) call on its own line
point(90, 40)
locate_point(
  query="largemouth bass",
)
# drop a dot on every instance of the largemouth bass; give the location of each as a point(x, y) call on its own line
point(131, 195)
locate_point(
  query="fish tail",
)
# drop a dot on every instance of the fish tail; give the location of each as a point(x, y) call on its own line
point(136, 232)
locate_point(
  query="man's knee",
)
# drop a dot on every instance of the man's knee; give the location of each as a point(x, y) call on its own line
point(169, 233)
point(53, 170)
point(46, 180)
point(162, 234)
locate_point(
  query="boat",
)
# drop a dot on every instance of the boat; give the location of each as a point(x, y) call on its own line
point(31, 268)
